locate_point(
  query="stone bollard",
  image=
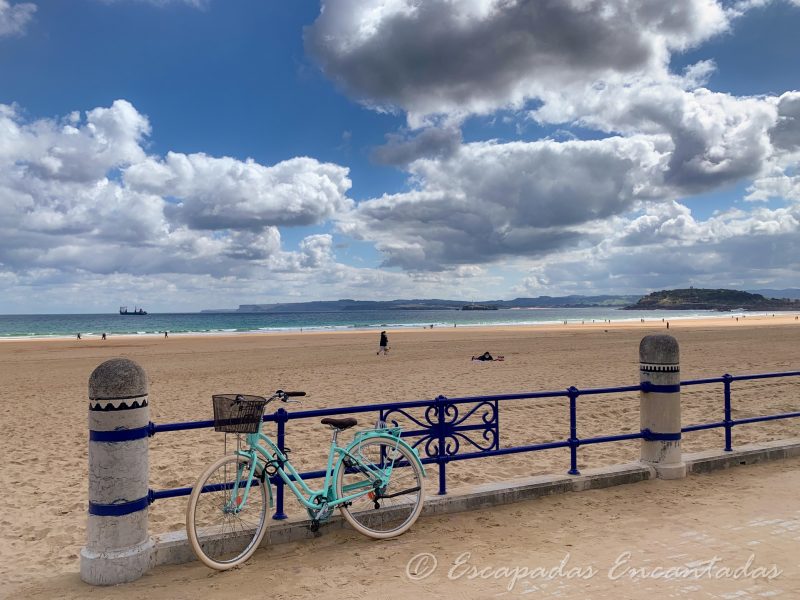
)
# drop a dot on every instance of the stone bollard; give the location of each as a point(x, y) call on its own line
point(660, 405)
point(118, 548)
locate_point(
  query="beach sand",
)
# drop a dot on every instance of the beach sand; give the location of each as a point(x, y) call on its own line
point(44, 390)
point(605, 544)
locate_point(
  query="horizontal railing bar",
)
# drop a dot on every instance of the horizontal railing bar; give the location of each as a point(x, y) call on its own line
point(764, 376)
point(611, 438)
point(614, 390)
point(702, 381)
point(702, 426)
point(512, 450)
point(765, 418)
point(739, 378)
point(181, 426)
point(324, 412)
point(170, 493)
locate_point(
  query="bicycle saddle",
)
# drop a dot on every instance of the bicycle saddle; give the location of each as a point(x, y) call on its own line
point(345, 423)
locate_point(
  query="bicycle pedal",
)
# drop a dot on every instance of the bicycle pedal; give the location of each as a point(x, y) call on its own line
point(314, 527)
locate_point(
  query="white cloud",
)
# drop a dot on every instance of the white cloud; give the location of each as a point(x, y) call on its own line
point(786, 133)
point(14, 18)
point(400, 150)
point(717, 138)
point(775, 186)
point(80, 194)
point(483, 55)
point(219, 193)
point(73, 149)
point(666, 247)
point(491, 200)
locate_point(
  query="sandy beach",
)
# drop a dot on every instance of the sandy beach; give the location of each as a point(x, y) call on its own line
point(44, 385)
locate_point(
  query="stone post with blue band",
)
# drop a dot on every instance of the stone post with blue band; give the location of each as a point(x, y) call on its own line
point(660, 405)
point(118, 548)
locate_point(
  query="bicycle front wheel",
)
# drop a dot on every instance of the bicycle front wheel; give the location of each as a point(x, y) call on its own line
point(224, 527)
point(382, 511)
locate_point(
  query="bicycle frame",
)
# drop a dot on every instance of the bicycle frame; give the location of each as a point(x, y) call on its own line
point(260, 444)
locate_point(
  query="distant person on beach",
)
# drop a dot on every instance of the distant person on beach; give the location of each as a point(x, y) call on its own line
point(487, 356)
point(104, 336)
point(79, 336)
point(166, 334)
point(383, 345)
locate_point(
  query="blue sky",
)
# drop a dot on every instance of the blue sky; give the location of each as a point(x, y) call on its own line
point(186, 154)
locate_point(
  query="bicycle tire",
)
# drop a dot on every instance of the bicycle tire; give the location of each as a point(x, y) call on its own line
point(217, 546)
point(387, 519)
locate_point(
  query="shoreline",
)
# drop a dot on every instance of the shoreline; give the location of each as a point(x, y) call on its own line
point(723, 320)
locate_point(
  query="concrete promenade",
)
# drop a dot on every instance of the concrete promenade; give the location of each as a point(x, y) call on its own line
point(731, 534)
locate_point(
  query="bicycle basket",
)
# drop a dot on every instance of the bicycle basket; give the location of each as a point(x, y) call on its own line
point(238, 413)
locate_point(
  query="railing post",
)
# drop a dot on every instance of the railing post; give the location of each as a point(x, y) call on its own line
point(281, 416)
point(574, 442)
point(441, 458)
point(728, 426)
point(660, 405)
point(118, 548)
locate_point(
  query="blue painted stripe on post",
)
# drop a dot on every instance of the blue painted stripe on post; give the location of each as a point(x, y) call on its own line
point(652, 436)
point(660, 389)
point(119, 435)
point(119, 509)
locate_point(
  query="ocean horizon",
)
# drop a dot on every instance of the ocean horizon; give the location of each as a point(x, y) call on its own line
point(94, 325)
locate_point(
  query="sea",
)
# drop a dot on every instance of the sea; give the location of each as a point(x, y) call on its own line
point(152, 324)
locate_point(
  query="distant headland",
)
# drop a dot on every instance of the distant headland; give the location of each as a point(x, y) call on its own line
point(433, 304)
point(691, 299)
point(704, 299)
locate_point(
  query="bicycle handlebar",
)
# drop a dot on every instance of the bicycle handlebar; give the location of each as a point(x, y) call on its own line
point(284, 396)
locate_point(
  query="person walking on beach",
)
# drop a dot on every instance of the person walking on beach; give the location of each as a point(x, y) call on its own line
point(383, 344)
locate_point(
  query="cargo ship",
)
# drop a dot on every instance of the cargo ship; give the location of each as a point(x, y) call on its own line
point(123, 310)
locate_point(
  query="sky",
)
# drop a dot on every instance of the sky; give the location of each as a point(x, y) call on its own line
point(190, 154)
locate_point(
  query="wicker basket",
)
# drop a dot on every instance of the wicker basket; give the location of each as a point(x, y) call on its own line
point(238, 413)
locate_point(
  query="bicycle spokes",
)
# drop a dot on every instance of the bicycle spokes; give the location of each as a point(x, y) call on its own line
point(227, 521)
point(384, 488)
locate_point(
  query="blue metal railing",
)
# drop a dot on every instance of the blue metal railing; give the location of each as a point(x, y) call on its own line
point(438, 428)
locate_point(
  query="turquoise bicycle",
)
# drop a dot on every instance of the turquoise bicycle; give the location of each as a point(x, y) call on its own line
point(376, 482)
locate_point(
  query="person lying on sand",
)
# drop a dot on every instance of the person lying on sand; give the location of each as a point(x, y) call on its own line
point(487, 356)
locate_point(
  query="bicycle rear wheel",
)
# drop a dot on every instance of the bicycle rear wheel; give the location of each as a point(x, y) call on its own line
point(384, 511)
point(224, 529)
